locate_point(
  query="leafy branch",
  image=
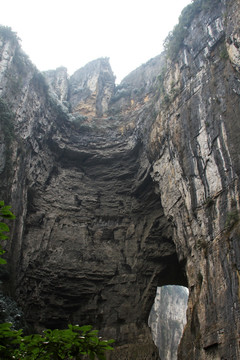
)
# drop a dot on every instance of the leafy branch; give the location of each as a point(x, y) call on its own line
point(71, 343)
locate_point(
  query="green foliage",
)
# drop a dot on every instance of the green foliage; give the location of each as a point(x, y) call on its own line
point(232, 219)
point(6, 120)
point(5, 213)
point(40, 82)
point(78, 120)
point(7, 127)
point(161, 78)
point(223, 52)
point(9, 339)
point(166, 99)
point(174, 40)
point(73, 343)
point(7, 34)
point(57, 109)
point(121, 92)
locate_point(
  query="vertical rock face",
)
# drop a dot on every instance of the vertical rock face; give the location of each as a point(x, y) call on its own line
point(58, 82)
point(91, 88)
point(168, 318)
point(197, 173)
point(136, 187)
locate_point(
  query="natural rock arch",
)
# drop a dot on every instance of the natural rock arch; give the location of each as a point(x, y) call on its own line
point(98, 244)
point(147, 177)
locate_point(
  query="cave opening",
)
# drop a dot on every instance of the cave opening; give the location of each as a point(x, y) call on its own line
point(168, 298)
point(167, 319)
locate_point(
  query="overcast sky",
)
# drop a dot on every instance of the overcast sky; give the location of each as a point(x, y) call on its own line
point(71, 33)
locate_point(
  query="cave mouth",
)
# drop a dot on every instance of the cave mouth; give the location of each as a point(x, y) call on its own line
point(167, 319)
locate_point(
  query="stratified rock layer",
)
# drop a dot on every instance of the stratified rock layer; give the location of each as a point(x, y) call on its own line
point(118, 190)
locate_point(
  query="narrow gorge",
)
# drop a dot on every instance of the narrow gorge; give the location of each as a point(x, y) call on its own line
point(120, 189)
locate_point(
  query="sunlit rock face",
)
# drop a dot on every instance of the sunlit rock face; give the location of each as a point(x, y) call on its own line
point(118, 190)
point(91, 88)
point(167, 319)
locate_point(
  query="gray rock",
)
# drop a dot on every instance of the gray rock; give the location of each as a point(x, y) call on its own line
point(167, 319)
point(142, 192)
point(91, 88)
point(58, 81)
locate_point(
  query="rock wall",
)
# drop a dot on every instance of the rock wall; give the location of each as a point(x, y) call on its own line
point(118, 190)
point(167, 319)
point(197, 173)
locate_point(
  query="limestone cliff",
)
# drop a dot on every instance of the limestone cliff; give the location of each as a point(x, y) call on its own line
point(167, 319)
point(118, 190)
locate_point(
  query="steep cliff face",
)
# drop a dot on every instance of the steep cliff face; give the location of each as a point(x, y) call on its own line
point(58, 82)
point(87, 219)
point(197, 173)
point(167, 319)
point(118, 190)
point(91, 88)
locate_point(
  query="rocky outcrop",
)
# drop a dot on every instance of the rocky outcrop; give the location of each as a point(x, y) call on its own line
point(58, 82)
point(91, 88)
point(167, 319)
point(120, 190)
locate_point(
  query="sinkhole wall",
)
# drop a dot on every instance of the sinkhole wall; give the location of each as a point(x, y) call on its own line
point(120, 189)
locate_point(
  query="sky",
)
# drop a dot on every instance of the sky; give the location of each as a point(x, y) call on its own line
point(71, 33)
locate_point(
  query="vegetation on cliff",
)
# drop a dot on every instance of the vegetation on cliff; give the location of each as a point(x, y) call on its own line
point(175, 38)
point(8, 34)
point(5, 213)
point(72, 343)
point(7, 129)
point(175, 41)
point(75, 342)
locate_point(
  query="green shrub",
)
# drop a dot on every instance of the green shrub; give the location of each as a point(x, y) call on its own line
point(7, 127)
point(231, 219)
point(5, 213)
point(7, 34)
point(161, 78)
point(166, 99)
point(78, 120)
point(174, 40)
point(40, 82)
point(71, 343)
point(223, 52)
